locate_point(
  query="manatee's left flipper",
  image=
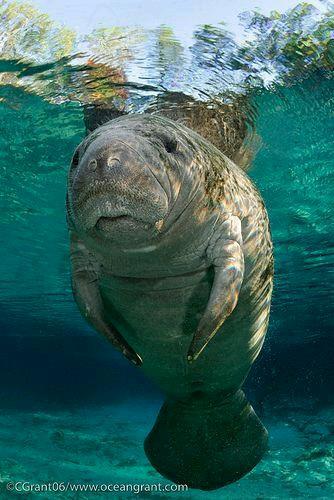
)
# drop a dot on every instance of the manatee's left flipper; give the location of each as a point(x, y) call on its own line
point(85, 276)
point(226, 255)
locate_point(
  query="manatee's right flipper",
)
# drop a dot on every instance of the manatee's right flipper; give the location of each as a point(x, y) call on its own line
point(87, 296)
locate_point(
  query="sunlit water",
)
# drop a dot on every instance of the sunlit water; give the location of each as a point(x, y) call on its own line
point(71, 408)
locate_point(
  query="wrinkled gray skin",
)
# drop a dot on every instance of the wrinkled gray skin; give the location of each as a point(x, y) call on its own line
point(172, 261)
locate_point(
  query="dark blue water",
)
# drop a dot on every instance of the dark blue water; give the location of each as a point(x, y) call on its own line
point(72, 409)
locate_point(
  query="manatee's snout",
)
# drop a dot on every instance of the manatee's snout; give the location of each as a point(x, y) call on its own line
point(116, 192)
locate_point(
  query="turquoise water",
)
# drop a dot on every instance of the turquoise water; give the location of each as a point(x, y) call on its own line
point(74, 410)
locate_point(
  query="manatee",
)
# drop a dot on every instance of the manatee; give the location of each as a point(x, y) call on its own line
point(172, 262)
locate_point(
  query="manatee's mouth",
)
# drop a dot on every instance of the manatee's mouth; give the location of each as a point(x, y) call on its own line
point(106, 222)
point(120, 219)
point(106, 219)
point(121, 226)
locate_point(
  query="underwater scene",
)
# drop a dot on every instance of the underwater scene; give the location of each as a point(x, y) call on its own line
point(259, 88)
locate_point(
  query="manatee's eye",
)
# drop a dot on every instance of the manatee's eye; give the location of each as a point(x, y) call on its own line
point(170, 144)
point(75, 159)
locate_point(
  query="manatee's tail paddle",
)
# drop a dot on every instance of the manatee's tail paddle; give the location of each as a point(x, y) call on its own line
point(205, 443)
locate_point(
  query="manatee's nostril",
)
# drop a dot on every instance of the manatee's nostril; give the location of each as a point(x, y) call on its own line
point(113, 162)
point(93, 164)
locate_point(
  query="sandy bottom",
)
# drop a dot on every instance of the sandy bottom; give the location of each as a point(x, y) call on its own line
point(104, 445)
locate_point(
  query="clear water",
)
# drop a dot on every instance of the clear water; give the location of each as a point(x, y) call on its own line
point(71, 408)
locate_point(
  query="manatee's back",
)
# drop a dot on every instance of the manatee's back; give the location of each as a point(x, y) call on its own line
point(229, 127)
